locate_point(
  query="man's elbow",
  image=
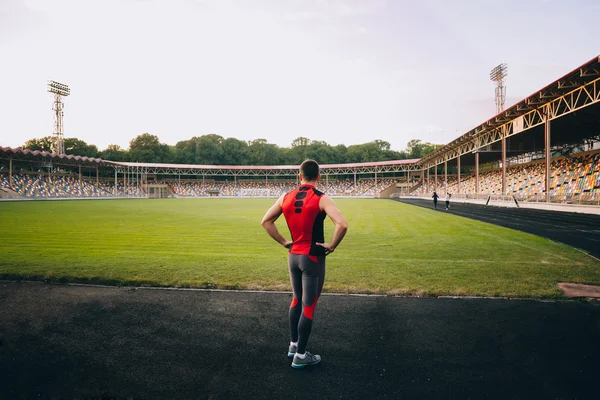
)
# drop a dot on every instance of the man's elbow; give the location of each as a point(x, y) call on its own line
point(343, 226)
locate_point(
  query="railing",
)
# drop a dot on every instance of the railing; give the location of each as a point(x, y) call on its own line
point(579, 199)
point(585, 198)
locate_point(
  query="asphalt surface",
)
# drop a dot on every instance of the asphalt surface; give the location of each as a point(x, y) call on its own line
point(112, 343)
point(96, 342)
point(575, 229)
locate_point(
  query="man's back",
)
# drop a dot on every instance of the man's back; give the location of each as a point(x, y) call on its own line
point(304, 218)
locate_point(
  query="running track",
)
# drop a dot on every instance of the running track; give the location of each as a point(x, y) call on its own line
point(81, 342)
point(575, 229)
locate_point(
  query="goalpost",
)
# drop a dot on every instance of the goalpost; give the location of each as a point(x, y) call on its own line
point(255, 192)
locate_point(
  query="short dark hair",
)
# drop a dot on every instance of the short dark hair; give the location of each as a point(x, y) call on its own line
point(309, 170)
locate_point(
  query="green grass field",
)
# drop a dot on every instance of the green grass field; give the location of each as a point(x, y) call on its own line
point(391, 248)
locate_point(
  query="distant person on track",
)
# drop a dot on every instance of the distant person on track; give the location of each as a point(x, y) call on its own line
point(448, 195)
point(305, 209)
point(435, 198)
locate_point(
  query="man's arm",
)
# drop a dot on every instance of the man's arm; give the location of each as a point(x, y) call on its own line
point(268, 222)
point(341, 225)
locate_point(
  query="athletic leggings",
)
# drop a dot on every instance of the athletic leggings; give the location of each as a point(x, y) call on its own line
point(307, 274)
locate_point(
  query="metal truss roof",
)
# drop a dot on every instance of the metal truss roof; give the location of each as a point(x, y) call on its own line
point(574, 91)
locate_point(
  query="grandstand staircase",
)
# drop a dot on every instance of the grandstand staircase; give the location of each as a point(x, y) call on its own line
point(6, 193)
point(387, 192)
point(416, 187)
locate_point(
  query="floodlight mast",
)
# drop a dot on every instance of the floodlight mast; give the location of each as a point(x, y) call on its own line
point(497, 75)
point(59, 90)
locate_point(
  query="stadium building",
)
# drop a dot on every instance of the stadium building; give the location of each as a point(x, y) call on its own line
point(544, 148)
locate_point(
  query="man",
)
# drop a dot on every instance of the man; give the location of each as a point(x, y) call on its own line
point(435, 198)
point(448, 195)
point(304, 210)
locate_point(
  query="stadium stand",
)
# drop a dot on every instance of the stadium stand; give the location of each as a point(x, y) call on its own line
point(576, 177)
point(44, 186)
point(60, 186)
point(364, 187)
point(573, 178)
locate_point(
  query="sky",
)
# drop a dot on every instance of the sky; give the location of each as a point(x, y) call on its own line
point(341, 71)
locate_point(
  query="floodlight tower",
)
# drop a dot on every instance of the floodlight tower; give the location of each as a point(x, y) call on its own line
point(497, 75)
point(59, 90)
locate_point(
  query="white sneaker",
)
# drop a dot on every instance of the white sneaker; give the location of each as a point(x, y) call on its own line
point(310, 359)
point(292, 350)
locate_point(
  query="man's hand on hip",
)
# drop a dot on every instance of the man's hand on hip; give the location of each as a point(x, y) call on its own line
point(328, 248)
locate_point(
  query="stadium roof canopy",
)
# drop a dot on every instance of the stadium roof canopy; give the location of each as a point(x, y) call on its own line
point(272, 170)
point(577, 93)
point(44, 157)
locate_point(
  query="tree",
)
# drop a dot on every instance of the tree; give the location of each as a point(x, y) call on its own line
point(42, 144)
point(414, 148)
point(341, 153)
point(395, 155)
point(417, 149)
point(185, 151)
point(114, 152)
point(213, 149)
point(298, 152)
point(208, 150)
point(367, 152)
point(171, 154)
point(430, 148)
point(382, 144)
point(322, 152)
point(147, 148)
point(234, 152)
point(78, 147)
point(260, 152)
point(300, 142)
point(73, 146)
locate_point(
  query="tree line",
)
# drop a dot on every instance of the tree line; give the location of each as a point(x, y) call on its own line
point(215, 150)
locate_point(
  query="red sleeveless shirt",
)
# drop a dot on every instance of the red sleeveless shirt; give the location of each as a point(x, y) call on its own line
point(305, 220)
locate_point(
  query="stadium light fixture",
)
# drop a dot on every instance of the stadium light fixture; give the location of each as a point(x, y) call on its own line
point(499, 72)
point(59, 90)
point(497, 75)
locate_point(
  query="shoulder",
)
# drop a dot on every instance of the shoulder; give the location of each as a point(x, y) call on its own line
point(283, 196)
point(281, 199)
point(324, 201)
point(318, 192)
